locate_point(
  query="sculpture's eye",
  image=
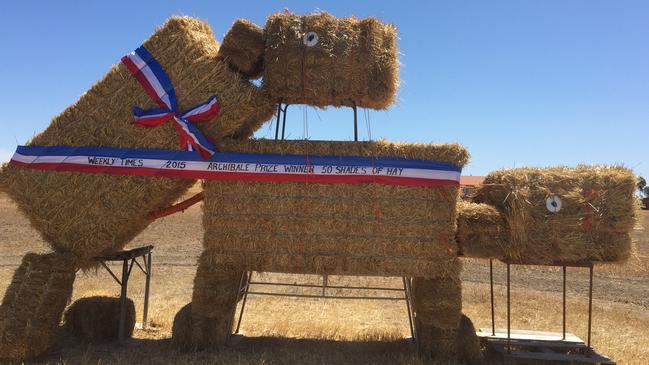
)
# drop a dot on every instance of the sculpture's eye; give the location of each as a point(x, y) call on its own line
point(310, 39)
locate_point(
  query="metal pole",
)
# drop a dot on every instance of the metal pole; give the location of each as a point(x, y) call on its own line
point(590, 305)
point(279, 110)
point(406, 292)
point(284, 121)
point(122, 301)
point(243, 304)
point(355, 124)
point(491, 289)
point(147, 286)
point(509, 343)
point(564, 303)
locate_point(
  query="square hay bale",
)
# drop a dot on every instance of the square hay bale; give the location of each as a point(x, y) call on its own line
point(33, 303)
point(369, 229)
point(322, 60)
point(481, 230)
point(594, 223)
point(95, 214)
point(97, 318)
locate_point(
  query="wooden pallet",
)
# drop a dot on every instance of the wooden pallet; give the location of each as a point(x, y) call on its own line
point(535, 347)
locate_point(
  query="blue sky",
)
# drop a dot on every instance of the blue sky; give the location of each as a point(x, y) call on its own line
point(519, 83)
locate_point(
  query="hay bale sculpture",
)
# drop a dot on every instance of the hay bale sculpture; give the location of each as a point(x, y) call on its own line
point(88, 182)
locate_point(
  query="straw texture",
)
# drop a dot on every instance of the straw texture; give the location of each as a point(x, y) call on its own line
point(33, 303)
point(593, 225)
point(94, 214)
point(481, 230)
point(97, 318)
point(243, 48)
point(354, 62)
point(208, 324)
point(368, 229)
point(450, 345)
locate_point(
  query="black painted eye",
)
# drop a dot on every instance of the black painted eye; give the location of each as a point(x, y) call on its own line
point(310, 39)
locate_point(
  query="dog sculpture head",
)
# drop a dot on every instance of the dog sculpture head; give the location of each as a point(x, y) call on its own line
point(317, 59)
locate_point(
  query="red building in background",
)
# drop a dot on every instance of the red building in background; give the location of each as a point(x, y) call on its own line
point(468, 184)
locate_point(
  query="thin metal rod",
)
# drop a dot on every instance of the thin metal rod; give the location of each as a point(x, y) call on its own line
point(122, 301)
point(140, 266)
point(284, 121)
point(564, 304)
point(279, 111)
point(412, 306)
point(241, 290)
point(322, 296)
point(325, 279)
point(328, 286)
point(243, 304)
point(406, 294)
point(147, 287)
point(355, 124)
point(590, 306)
point(111, 272)
point(491, 292)
point(509, 339)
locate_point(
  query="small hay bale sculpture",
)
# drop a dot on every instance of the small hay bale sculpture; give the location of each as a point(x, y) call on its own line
point(318, 59)
point(95, 214)
point(97, 318)
point(593, 223)
point(33, 303)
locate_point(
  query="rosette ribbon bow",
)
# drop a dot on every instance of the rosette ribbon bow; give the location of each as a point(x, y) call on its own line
point(148, 72)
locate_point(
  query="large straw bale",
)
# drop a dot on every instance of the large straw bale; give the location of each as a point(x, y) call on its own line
point(181, 330)
point(438, 301)
point(370, 229)
point(97, 318)
point(481, 230)
point(94, 214)
point(353, 63)
point(214, 301)
point(460, 344)
point(33, 303)
point(594, 224)
point(243, 48)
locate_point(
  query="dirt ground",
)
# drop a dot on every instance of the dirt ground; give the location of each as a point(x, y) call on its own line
point(308, 331)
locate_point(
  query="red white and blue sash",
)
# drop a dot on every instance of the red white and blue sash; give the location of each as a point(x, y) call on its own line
point(240, 166)
point(157, 85)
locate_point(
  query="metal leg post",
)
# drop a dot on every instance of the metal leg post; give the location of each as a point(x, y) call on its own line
point(147, 286)
point(243, 303)
point(406, 291)
point(509, 337)
point(564, 304)
point(491, 292)
point(122, 301)
point(590, 306)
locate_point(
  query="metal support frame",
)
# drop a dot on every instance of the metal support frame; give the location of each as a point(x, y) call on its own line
point(128, 259)
point(281, 114)
point(244, 289)
point(564, 267)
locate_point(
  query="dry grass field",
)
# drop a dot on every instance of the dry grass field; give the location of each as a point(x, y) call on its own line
point(308, 331)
